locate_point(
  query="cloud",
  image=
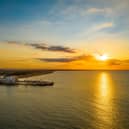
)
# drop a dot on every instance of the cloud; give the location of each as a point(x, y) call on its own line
point(61, 48)
point(43, 46)
point(53, 48)
point(62, 60)
point(99, 10)
point(38, 46)
point(94, 31)
point(103, 26)
point(114, 62)
point(68, 59)
point(12, 42)
point(86, 59)
point(118, 62)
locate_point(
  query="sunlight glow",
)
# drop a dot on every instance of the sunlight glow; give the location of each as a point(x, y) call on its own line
point(102, 57)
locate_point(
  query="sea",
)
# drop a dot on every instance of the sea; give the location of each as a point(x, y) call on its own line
point(78, 100)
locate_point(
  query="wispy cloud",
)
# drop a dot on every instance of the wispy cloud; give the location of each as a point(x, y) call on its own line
point(99, 10)
point(68, 59)
point(93, 31)
point(103, 26)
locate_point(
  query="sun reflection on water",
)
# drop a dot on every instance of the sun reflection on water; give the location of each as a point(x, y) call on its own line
point(104, 86)
point(104, 99)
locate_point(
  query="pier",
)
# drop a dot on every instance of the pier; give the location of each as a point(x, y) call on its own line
point(13, 81)
point(35, 83)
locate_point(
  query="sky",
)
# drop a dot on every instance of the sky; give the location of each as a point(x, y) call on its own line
point(64, 34)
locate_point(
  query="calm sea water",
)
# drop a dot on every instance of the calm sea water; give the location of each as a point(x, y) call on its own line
point(78, 100)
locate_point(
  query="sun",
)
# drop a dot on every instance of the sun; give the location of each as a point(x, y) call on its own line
point(102, 57)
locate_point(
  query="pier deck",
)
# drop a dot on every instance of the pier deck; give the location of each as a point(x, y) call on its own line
point(29, 83)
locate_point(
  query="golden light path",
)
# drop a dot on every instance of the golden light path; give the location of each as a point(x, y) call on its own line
point(104, 100)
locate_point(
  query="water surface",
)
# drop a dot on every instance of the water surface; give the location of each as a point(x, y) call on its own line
point(78, 100)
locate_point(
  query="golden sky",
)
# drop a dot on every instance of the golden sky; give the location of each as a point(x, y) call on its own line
point(38, 56)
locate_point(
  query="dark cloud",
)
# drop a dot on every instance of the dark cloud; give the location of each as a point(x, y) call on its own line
point(68, 59)
point(39, 46)
point(53, 48)
point(63, 60)
point(61, 49)
point(43, 46)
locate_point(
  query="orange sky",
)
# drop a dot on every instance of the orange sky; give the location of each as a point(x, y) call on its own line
point(23, 55)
